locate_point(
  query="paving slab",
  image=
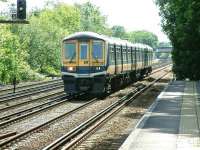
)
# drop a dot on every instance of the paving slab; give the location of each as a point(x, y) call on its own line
point(172, 121)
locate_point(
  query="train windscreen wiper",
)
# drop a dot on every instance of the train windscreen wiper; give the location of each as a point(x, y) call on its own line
point(72, 57)
point(96, 58)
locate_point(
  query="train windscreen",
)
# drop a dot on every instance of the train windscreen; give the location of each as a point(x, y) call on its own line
point(97, 50)
point(70, 51)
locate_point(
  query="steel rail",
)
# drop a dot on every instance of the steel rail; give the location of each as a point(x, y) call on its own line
point(4, 89)
point(19, 113)
point(88, 123)
point(29, 90)
point(58, 101)
point(9, 134)
point(96, 126)
point(20, 135)
point(50, 88)
point(159, 69)
point(30, 101)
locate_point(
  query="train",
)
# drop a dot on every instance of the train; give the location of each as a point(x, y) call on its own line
point(97, 64)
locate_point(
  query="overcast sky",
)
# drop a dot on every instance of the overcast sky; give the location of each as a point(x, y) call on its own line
point(132, 14)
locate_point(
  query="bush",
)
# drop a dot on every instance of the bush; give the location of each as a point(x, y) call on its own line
point(50, 71)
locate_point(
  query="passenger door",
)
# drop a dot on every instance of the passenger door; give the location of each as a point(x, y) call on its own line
point(84, 57)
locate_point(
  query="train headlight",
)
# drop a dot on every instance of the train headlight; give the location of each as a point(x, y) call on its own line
point(98, 68)
point(71, 69)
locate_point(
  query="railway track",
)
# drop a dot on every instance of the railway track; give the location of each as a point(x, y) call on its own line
point(92, 124)
point(9, 90)
point(7, 108)
point(160, 68)
point(162, 64)
point(14, 117)
point(30, 92)
point(39, 127)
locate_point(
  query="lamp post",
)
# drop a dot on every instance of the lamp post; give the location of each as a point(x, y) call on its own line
point(14, 72)
point(14, 80)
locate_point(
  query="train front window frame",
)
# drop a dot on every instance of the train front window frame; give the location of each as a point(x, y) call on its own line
point(97, 49)
point(84, 47)
point(69, 51)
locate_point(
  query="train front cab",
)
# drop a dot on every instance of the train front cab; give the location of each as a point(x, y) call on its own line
point(83, 66)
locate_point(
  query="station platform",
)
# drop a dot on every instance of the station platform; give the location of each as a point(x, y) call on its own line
point(172, 122)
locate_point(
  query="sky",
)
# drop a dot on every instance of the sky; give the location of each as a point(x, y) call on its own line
point(132, 14)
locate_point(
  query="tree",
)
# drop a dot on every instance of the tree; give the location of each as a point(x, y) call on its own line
point(180, 21)
point(45, 33)
point(118, 31)
point(38, 44)
point(91, 18)
point(12, 56)
point(144, 37)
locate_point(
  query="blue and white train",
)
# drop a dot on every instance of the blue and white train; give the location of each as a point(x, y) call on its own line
point(96, 64)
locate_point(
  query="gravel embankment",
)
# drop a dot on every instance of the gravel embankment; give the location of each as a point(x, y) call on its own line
point(26, 106)
point(45, 136)
point(112, 135)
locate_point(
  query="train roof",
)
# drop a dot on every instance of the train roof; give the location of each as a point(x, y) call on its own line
point(110, 40)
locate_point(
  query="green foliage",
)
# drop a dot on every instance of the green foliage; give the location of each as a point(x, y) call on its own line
point(44, 35)
point(180, 21)
point(92, 19)
point(12, 56)
point(144, 37)
point(119, 31)
point(27, 51)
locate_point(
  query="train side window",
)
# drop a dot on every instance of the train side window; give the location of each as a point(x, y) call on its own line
point(133, 54)
point(118, 53)
point(143, 51)
point(126, 50)
point(112, 56)
point(97, 50)
point(141, 55)
point(129, 55)
point(124, 56)
point(70, 50)
point(138, 55)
